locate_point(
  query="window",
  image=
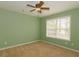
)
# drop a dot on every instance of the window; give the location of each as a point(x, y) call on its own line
point(58, 28)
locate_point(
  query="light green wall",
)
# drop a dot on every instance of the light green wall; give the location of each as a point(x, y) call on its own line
point(74, 43)
point(16, 28)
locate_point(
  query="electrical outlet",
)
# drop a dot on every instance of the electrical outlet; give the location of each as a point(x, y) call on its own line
point(66, 42)
point(72, 44)
point(5, 42)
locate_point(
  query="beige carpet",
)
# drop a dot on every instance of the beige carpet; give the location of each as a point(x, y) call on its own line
point(38, 49)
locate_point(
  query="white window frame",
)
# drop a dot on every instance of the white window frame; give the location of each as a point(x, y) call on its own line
point(55, 29)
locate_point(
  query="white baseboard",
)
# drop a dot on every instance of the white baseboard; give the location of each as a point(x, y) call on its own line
point(36, 41)
point(61, 46)
point(18, 45)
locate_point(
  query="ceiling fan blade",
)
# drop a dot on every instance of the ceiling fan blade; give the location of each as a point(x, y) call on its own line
point(38, 5)
point(32, 10)
point(41, 3)
point(44, 8)
point(30, 5)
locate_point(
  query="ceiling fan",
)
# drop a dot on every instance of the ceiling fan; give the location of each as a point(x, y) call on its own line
point(38, 7)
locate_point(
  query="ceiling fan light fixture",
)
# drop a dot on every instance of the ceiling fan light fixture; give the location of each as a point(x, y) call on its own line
point(38, 9)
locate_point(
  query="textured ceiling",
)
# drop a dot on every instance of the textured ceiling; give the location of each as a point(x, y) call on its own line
point(55, 6)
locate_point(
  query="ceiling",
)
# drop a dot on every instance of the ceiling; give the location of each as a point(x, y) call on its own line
point(55, 7)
